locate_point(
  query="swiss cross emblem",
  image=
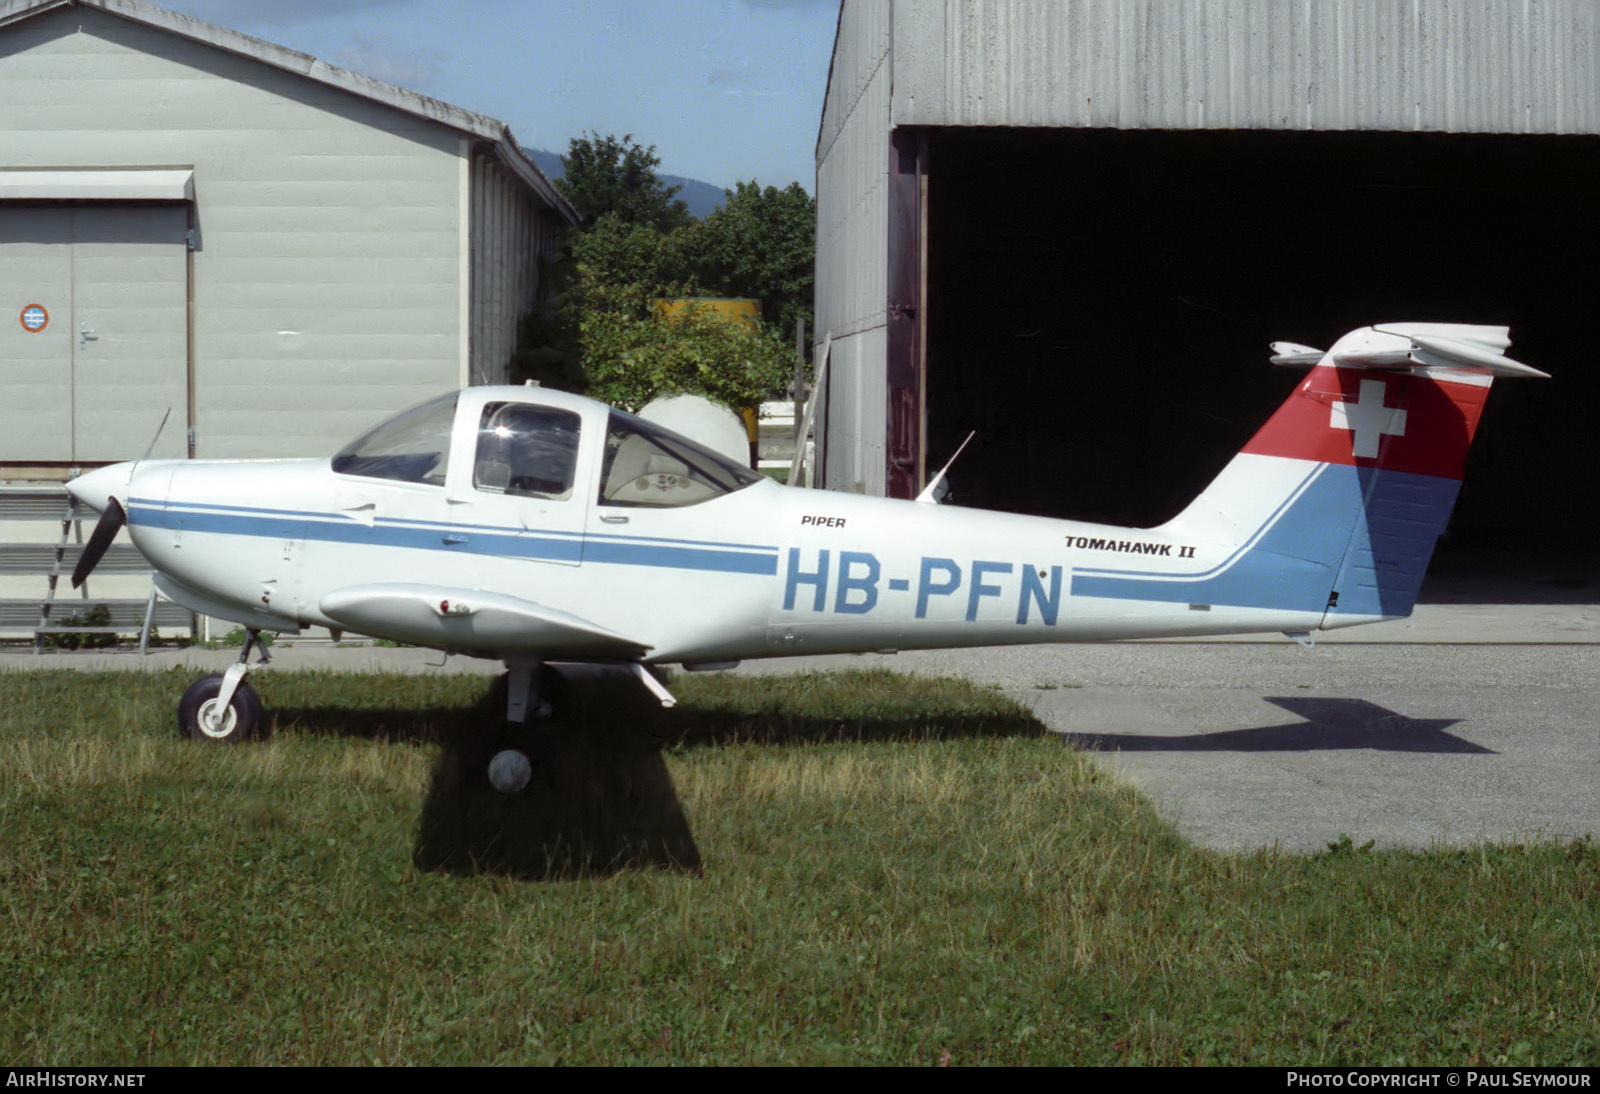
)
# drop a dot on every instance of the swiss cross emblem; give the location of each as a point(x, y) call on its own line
point(1369, 419)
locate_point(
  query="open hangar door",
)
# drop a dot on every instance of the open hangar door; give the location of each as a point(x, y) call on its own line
point(1100, 302)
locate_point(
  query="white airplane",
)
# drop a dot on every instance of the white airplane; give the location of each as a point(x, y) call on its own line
point(523, 524)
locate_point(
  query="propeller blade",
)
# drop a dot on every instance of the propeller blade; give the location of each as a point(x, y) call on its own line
point(111, 522)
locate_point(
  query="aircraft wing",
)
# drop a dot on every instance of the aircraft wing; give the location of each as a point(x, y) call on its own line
point(473, 619)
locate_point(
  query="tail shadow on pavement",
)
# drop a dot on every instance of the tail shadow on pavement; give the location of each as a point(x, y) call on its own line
point(1325, 725)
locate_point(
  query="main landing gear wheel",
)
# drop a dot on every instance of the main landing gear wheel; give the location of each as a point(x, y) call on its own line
point(527, 694)
point(510, 771)
point(240, 722)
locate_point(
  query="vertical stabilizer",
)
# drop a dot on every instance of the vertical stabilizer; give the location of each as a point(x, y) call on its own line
point(1337, 502)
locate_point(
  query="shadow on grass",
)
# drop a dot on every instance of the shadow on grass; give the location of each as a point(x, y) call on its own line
point(845, 707)
point(601, 799)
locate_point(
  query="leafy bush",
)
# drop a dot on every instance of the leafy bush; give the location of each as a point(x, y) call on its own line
point(596, 326)
point(633, 351)
point(98, 616)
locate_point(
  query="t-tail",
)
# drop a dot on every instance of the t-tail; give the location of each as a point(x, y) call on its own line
point(1333, 509)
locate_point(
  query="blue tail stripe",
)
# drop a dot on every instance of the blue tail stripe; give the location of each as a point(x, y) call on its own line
point(1301, 558)
point(1395, 536)
point(1239, 552)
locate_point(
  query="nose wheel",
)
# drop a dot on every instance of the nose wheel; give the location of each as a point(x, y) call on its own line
point(222, 708)
point(204, 715)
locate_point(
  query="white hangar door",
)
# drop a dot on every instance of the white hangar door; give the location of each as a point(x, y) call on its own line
point(94, 332)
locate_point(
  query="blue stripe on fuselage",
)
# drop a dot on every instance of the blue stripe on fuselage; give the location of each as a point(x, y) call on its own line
point(1390, 527)
point(471, 539)
point(657, 553)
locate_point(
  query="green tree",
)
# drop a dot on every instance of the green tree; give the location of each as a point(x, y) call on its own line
point(761, 244)
point(612, 176)
point(599, 327)
point(633, 351)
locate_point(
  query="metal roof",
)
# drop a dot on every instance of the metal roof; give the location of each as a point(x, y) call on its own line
point(303, 64)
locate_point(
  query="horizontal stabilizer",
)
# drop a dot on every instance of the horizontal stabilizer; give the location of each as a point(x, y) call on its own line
point(473, 619)
point(1453, 352)
point(1403, 346)
point(1294, 355)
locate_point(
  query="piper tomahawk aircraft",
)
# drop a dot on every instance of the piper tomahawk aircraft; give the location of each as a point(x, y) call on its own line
point(525, 525)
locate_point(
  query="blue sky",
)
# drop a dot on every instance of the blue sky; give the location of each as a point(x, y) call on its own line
point(727, 90)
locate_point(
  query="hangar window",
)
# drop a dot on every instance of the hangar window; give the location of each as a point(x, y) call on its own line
point(648, 466)
point(527, 450)
point(413, 446)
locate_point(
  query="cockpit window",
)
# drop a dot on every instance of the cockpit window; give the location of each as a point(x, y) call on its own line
point(527, 450)
point(413, 446)
point(646, 465)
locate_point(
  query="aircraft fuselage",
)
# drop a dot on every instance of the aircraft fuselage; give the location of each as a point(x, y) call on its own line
point(760, 571)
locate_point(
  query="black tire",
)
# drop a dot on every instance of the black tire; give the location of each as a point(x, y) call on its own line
point(242, 723)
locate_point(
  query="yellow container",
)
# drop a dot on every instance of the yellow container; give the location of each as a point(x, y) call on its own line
point(742, 311)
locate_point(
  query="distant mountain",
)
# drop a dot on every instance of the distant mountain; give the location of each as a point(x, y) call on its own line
point(702, 198)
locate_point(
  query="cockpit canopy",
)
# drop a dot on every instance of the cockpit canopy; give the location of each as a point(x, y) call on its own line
point(531, 449)
point(413, 446)
point(646, 465)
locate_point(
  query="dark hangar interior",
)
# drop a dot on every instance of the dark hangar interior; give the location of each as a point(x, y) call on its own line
point(1100, 303)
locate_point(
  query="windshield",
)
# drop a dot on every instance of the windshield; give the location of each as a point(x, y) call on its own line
point(646, 465)
point(413, 446)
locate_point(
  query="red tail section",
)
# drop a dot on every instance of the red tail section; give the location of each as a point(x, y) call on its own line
point(1418, 422)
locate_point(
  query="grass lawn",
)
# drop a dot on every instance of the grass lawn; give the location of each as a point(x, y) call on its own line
point(845, 868)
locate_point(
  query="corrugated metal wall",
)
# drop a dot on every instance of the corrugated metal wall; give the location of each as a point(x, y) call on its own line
point(852, 247)
point(508, 236)
point(1482, 66)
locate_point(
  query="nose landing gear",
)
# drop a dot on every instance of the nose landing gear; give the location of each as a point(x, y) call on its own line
point(222, 708)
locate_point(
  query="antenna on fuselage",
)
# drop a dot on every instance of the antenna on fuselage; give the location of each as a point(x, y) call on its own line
point(928, 494)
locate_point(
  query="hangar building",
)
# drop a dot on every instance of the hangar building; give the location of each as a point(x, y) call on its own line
point(1074, 226)
point(277, 251)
